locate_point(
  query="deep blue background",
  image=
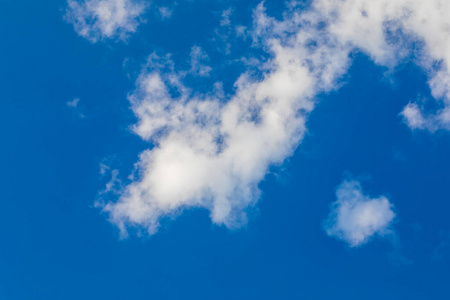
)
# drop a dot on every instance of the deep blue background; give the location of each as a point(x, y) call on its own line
point(55, 245)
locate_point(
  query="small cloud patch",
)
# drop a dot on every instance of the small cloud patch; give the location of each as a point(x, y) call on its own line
point(98, 20)
point(355, 218)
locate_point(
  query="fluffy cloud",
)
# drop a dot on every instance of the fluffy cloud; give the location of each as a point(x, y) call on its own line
point(390, 31)
point(355, 218)
point(211, 151)
point(105, 19)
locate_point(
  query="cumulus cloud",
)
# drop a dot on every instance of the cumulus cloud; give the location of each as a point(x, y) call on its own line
point(355, 217)
point(105, 19)
point(413, 116)
point(391, 31)
point(211, 151)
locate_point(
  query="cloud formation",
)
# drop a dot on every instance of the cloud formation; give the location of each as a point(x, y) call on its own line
point(73, 103)
point(74, 106)
point(165, 12)
point(105, 19)
point(390, 31)
point(355, 217)
point(198, 58)
point(211, 151)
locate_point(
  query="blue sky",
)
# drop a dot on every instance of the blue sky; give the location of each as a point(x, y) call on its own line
point(129, 173)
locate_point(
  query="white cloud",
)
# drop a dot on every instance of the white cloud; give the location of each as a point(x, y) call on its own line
point(73, 103)
point(226, 14)
point(226, 32)
point(165, 12)
point(74, 106)
point(413, 116)
point(198, 57)
point(391, 30)
point(103, 169)
point(114, 184)
point(355, 217)
point(211, 152)
point(105, 19)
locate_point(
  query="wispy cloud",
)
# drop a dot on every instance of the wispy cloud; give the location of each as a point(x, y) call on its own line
point(212, 151)
point(226, 32)
point(355, 217)
point(73, 103)
point(105, 19)
point(198, 59)
point(392, 31)
point(74, 106)
point(165, 12)
point(225, 20)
